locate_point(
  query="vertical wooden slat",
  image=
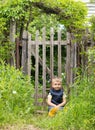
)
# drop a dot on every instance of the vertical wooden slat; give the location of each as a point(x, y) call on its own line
point(17, 54)
point(24, 53)
point(44, 62)
point(29, 55)
point(68, 63)
point(72, 62)
point(59, 53)
point(75, 65)
point(82, 49)
point(51, 52)
point(12, 39)
point(36, 66)
point(75, 58)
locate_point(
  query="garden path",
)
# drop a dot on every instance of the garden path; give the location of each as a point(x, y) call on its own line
point(25, 127)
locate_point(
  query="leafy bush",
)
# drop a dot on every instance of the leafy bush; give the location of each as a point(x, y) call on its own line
point(15, 94)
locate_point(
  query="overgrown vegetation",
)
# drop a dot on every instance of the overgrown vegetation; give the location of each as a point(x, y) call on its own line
point(16, 102)
point(32, 15)
point(16, 89)
point(78, 114)
point(92, 28)
point(16, 94)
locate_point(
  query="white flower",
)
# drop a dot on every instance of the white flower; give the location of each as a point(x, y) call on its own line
point(62, 73)
point(14, 92)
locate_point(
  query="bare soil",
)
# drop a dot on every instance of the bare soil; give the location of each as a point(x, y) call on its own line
point(25, 127)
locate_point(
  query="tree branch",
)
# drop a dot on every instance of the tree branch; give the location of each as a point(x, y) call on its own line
point(46, 9)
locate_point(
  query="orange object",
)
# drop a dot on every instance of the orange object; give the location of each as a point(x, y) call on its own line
point(53, 111)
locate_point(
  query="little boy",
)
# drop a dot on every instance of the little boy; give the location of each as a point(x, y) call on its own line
point(56, 97)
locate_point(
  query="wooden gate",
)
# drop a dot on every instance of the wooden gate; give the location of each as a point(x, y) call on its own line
point(30, 47)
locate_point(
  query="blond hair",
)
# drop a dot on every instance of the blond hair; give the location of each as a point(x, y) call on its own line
point(56, 79)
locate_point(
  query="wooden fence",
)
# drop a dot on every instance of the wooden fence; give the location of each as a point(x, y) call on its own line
point(30, 47)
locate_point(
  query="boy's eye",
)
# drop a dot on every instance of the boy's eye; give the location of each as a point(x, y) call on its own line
point(57, 84)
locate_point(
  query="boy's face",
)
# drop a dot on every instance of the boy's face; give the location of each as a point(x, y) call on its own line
point(56, 84)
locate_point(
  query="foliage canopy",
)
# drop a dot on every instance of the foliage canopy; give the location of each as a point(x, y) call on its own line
point(34, 14)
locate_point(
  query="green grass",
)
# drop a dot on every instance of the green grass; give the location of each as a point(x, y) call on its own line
point(78, 114)
point(16, 103)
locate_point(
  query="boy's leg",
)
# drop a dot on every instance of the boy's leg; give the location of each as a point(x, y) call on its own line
point(60, 108)
point(50, 107)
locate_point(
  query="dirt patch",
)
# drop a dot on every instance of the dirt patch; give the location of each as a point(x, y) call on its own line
point(25, 127)
point(29, 127)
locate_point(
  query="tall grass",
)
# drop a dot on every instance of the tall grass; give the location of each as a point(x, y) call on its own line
point(79, 113)
point(15, 95)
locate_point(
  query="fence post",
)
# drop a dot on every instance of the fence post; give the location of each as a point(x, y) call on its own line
point(44, 63)
point(59, 53)
point(29, 55)
point(68, 62)
point(12, 39)
point(36, 66)
point(51, 52)
point(24, 52)
point(73, 58)
point(17, 54)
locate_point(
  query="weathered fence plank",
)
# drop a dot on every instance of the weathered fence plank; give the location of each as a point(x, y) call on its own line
point(24, 52)
point(29, 55)
point(75, 61)
point(36, 67)
point(12, 39)
point(44, 63)
point(17, 54)
point(48, 42)
point(59, 54)
point(52, 52)
point(72, 62)
point(68, 63)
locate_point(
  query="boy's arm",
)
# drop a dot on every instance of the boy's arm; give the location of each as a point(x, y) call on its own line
point(49, 101)
point(63, 103)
